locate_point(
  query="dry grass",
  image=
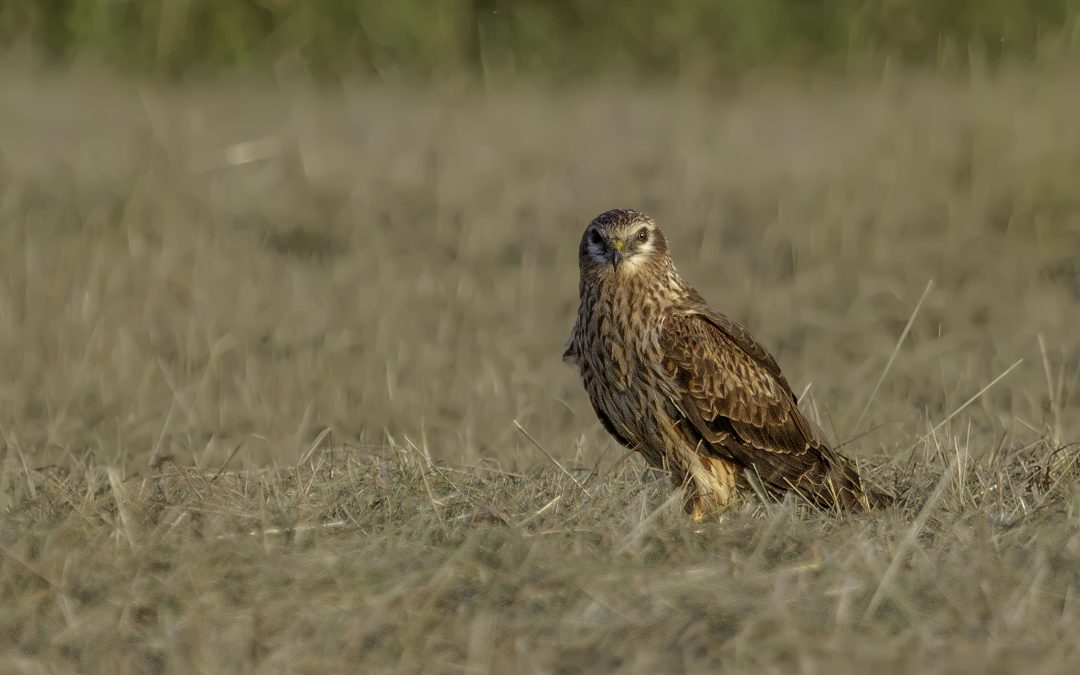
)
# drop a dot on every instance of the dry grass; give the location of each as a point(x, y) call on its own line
point(262, 352)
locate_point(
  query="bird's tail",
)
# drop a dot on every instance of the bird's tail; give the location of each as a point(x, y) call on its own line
point(838, 486)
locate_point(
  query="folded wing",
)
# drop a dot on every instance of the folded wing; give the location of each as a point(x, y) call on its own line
point(735, 398)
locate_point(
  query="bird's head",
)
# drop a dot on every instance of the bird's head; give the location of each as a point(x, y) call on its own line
point(622, 241)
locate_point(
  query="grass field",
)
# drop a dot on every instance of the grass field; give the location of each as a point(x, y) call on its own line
point(698, 41)
point(264, 353)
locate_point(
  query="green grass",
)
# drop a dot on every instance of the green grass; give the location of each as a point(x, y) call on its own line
point(262, 351)
point(501, 39)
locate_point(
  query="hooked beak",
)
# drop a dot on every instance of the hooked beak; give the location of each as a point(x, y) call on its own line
point(615, 255)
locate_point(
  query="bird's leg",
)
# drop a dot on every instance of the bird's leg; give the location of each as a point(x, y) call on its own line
point(698, 511)
point(705, 508)
point(710, 487)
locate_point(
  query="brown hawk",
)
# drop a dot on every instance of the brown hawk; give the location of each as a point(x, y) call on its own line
point(687, 387)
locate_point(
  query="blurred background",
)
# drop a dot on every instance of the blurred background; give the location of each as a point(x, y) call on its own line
point(555, 40)
point(241, 220)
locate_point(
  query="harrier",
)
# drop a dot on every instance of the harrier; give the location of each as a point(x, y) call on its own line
point(687, 387)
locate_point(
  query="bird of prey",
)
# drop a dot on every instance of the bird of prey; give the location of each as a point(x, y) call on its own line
point(686, 386)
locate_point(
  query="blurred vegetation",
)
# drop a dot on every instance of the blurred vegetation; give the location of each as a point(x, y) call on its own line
point(549, 38)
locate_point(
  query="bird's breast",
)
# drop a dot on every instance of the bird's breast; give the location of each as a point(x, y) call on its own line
point(622, 342)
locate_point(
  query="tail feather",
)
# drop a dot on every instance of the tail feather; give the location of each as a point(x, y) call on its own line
point(835, 484)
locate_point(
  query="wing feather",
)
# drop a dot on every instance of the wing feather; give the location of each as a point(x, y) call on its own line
point(735, 397)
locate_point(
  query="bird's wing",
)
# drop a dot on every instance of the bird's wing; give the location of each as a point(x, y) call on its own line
point(570, 354)
point(734, 395)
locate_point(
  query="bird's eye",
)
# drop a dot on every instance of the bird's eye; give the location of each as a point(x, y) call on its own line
point(595, 238)
point(643, 235)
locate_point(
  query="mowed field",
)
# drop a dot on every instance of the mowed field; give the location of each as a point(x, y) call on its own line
point(280, 386)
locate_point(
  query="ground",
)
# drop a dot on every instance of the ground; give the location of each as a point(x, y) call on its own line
point(280, 385)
